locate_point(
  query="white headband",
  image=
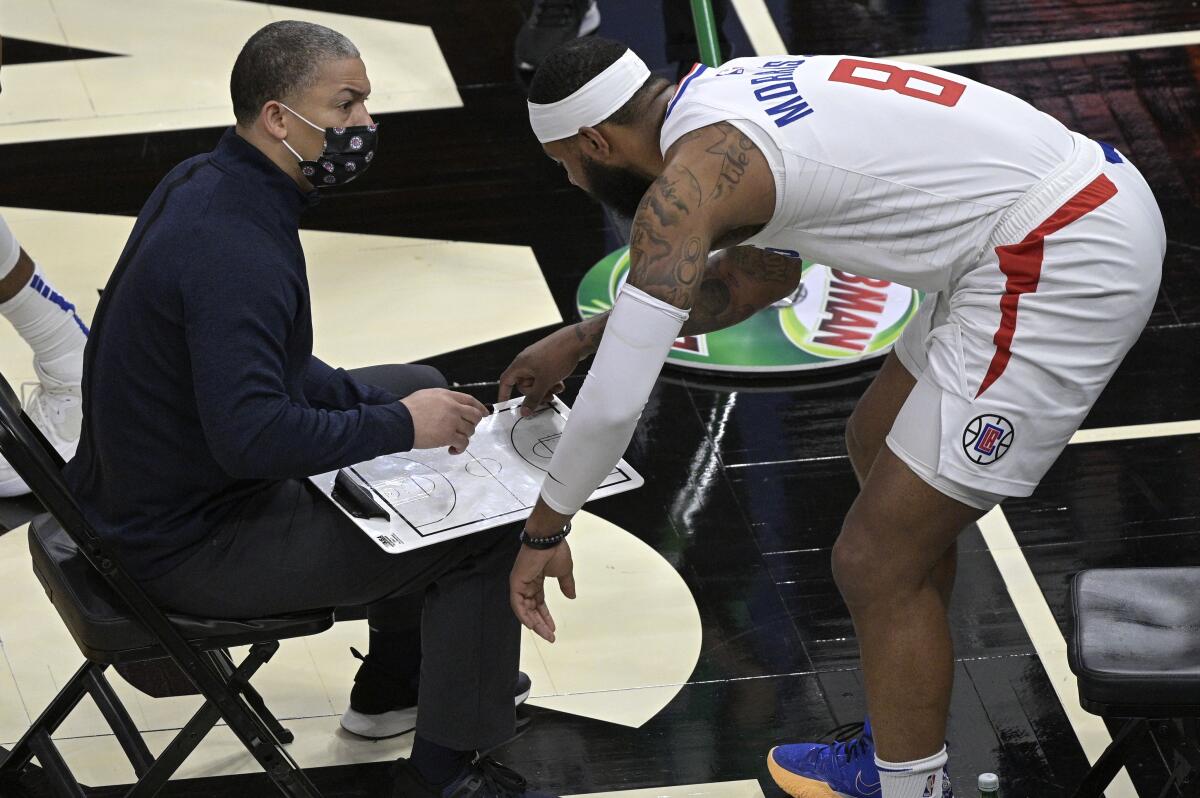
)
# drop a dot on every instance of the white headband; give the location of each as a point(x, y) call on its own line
point(594, 102)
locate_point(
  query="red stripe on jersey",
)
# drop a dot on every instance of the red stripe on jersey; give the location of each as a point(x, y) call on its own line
point(697, 68)
point(1021, 264)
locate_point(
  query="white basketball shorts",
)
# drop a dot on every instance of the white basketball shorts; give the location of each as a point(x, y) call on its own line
point(1009, 361)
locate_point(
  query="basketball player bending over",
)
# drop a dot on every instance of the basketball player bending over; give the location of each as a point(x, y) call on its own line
point(48, 323)
point(1041, 251)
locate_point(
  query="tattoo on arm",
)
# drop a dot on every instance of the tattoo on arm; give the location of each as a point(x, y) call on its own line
point(589, 332)
point(760, 266)
point(731, 146)
point(673, 196)
point(669, 245)
point(668, 263)
point(734, 149)
point(739, 282)
point(716, 308)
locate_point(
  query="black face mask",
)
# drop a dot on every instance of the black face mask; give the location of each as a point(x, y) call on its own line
point(347, 153)
point(618, 188)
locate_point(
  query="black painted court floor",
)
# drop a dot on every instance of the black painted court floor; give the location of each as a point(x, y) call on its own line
point(748, 479)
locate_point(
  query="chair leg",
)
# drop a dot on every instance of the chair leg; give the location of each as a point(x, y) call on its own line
point(50, 719)
point(196, 729)
point(1187, 758)
point(1191, 741)
point(255, 734)
point(252, 696)
point(1112, 760)
point(125, 730)
point(62, 781)
point(271, 756)
point(226, 702)
point(178, 750)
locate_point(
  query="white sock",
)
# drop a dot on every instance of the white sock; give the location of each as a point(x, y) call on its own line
point(921, 778)
point(10, 250)
point(49, 324)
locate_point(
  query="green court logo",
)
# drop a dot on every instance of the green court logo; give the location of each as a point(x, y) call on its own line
point(841, 316)
point(834, 318)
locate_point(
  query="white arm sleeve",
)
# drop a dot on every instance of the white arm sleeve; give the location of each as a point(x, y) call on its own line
point(636, 341)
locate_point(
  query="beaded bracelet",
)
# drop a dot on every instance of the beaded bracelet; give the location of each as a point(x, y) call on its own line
point(549, 542)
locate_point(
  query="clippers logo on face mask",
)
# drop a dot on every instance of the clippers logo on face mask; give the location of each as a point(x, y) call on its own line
point(347, 153)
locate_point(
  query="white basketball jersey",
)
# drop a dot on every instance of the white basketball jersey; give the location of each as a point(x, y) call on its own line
point(884, 169)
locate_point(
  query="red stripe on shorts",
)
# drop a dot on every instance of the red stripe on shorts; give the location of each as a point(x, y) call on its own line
point(1021, 264)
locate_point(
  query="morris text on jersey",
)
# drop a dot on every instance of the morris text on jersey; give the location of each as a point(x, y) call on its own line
point(777, 89)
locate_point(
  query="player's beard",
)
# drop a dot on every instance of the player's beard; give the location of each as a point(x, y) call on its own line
point(619, 188)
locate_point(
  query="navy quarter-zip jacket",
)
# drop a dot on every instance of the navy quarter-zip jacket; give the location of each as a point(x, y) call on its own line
point(200, 387)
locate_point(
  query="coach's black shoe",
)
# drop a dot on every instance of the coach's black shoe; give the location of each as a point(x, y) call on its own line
point(383, 706)
point(482, 778)
point(551, 23)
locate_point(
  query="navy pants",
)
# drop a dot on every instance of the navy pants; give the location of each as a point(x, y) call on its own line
point(289, 549)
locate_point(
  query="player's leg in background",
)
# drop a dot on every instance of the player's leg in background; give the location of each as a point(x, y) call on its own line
point(48, 323)
point(42, 316)
point(18, 276)
point(549, 24)
point(886, 562)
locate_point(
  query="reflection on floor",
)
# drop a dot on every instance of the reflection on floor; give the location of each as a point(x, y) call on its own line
point(747, 480)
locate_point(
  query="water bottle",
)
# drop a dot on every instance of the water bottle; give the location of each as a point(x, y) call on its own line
point(989, 785)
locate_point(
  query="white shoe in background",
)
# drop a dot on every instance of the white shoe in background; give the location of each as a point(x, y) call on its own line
point(56, 408)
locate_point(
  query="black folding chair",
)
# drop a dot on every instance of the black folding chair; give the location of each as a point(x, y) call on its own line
point(115, 623)
point(1135, 651)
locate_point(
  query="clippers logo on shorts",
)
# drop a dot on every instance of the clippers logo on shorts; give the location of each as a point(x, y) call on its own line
point(987, 438)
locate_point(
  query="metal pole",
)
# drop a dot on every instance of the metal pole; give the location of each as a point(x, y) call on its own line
point(706, 32)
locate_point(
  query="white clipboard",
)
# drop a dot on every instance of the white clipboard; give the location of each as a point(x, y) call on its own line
point(430, 495)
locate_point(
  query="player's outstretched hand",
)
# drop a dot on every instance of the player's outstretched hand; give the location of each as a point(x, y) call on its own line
point(443, 418)
point(538, 372)
point(526, 585)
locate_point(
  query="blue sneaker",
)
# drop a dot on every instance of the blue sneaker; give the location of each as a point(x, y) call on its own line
point(842, 768)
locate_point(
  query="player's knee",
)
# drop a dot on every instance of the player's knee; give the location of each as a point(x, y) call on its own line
point(864, 575)
point(853, 563)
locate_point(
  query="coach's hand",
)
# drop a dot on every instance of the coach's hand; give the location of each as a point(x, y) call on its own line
point(526, 585)
point(443, 418)
point(538, 372)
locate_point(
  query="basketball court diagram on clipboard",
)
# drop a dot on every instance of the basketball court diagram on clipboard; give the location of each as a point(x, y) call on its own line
point(430, 495)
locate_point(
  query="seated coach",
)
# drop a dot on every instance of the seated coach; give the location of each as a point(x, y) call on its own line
point(205, 411)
